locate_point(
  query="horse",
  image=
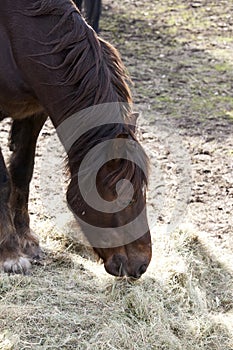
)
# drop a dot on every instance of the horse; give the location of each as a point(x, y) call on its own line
point(53, 64)
point(92, 11)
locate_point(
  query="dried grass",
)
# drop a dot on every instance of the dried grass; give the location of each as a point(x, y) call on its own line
point(183, 302)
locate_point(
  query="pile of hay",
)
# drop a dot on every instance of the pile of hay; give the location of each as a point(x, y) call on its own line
point(184, 301)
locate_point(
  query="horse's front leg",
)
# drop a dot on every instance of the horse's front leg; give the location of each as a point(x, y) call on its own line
point(12, 258)
point(23, 138)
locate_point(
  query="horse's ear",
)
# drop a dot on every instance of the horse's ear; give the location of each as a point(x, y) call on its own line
point(118, 149)
point(135, 116)
point(121, 148)
point(133, 120)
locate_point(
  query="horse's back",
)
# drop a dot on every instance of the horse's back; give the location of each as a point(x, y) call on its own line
point(16, 98)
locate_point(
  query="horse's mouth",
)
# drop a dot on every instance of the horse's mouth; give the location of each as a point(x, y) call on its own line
point(123, 273)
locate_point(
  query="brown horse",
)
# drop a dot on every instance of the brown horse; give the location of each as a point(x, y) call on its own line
point(53, 63)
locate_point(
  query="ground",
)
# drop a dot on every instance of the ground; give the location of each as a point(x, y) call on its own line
point(178, 54)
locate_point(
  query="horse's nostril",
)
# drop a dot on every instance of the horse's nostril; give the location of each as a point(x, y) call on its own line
point(117, 265)
point(142, 269)
point(138, 272)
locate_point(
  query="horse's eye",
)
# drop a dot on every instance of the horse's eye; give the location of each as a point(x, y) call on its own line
point(127, 204)
point(132, 201)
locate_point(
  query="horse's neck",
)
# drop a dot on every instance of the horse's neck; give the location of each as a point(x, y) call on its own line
point(39, 64)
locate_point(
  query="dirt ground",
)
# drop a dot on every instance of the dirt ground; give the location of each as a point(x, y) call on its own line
point(179, 56)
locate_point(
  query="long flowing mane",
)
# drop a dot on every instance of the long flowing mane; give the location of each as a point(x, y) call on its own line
point(89, 63)
point(95, 70)
point(126, 168)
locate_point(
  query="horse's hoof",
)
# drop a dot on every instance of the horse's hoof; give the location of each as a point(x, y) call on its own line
point(20, 265)
point(31, 248)
point(33, 252)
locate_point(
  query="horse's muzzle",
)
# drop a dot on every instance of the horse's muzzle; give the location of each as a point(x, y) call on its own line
point(118, 265)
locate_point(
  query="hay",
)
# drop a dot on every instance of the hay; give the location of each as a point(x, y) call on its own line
point(183, 302)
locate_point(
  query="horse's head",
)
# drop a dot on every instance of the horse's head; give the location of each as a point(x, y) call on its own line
point(130, 253)
point(107, 194)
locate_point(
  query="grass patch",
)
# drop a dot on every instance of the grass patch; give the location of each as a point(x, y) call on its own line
point(177, 53)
